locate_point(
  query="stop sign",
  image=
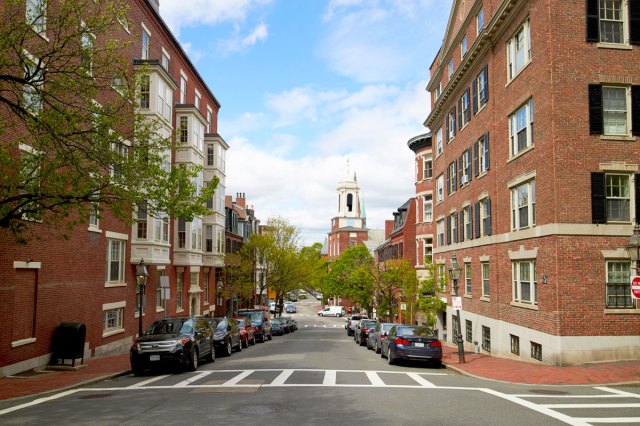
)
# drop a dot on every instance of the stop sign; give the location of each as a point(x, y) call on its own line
point(635, 287)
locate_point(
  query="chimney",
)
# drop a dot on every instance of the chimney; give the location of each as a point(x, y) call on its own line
point(155, 4)
point(241, 200)
point(388, 228)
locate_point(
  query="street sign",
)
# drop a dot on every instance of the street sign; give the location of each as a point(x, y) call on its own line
point(457, 303)
point(403, 306)
point(635, 287)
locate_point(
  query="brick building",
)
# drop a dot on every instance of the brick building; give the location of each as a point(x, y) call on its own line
point(539, 207)
point(90, 277)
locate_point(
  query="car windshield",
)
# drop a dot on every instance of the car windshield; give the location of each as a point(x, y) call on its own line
point(415, 331)
point(240, 322)
point(256, 317)
point(171, 326)
point(386, 327)
point(368, 324)
point(222, 326)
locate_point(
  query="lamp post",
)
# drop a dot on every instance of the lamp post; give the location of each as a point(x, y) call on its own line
point(454, 274)
point(219, 289)
point(141, 280)
point(633, 247)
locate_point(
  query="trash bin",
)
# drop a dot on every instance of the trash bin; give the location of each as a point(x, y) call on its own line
point(68, 342)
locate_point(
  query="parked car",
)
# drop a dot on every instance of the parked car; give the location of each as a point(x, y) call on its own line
point(272, 307)
point(409, 342)
point(277, 327)
point(331, 311)
point(261, 320)
point(352, 323)
point(180, 341)
point(226, 335)
point(247, 331)
point(361, 333)
point(290, 308)
point(376, 335)
point(290, 324)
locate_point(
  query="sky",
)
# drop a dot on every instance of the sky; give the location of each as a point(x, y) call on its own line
point(310, 89)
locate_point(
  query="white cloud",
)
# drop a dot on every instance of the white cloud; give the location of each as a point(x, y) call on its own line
point(191, 13)
point(238, 42)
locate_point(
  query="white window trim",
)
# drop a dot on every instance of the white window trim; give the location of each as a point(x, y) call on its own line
point(626, 39)
point(511, 51)
point(515, 222)
point(628, 112)
point(108, 307)
point(513, 138)
point(515, 279)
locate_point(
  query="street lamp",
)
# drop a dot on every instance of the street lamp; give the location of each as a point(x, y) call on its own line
point(141, 280)
point(454, 273)
point(219, 289)
point(633, 247)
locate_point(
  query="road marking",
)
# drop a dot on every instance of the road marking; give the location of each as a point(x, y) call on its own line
point(238, 378)
point(418, 378)
point(282, 377)
point(618, 420)
point(39, 401)
point(198, 376)
point(329, 378)
point(624, 405)
point(151, 380)
point(375, 379)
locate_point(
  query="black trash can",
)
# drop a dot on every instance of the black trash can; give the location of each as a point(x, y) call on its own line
point(68, 342)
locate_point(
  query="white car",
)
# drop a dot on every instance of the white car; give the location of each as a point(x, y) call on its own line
point(332, 311)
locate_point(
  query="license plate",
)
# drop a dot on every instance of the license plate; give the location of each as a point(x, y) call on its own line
point(154, 357)
point(419, 345)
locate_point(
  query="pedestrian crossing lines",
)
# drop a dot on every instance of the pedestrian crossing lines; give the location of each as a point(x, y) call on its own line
point(265, 378)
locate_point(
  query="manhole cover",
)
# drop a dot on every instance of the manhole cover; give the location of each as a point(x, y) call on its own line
point(96, 396)
point(256, 409)
point(548, 392)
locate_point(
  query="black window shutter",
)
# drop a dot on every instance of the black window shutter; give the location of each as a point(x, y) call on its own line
point(476, 222)
point(468, 171)
point(488, 216)
point(635, 106)
point(486, 149)
point(636, 178)
point(467, 113)
point(453, 115)
point(485, 71)
point(446, 129)
point(598, 198)
point(596, 125)
point(459, 113)
point(461, 226)
point(474, 91)
point(476, 166)
point(460, 171)
point(470, 236)
point(634, 21)
point(592, 21)
point(449, 229)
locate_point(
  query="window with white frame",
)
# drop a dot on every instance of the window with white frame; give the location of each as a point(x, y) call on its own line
point(523, 205)
point(464, 165)
point(198, 135)
point(468, 221)
point(115, 260)
point(463, 47)
point(165, 60)
point(88, 41)
point(481, 89)
point(618, 285)
point(194, 279)
point(144, 92)
point(36, 15)
point(427, 167)
point(427, 257)
point(183, 129)
point(146, 43)
point(32, 89)
point(612, 16)
point(481, 155)
point(519, 50)
point(197, 100)
point(31, 176)
point(165, 99)
point(450, 68)
point(521, 128)
point(113, 319)
point(439, 189)
point(206, 287)
point(486, 289)
point(428, 208)
point(141, 221)
point(122, 151)
point(159, 288)
point(480, 21)
point(453, 231)
point(483, 218)
point(179, 290)
point(209, 116)
point(183, 89)
point(210, 154)
point(618, 197)
point(439, 141)
point(438, 91)
point(208, 238)
point(615, 106)
point(467, 278)
point(182, 233)
point(452, 178)
point(196, 234)
point(464, 109)
point(161, 228)
point(451, 125)
point(220, 242)
point(440, 232)
point(94, 215)
point(525, 285)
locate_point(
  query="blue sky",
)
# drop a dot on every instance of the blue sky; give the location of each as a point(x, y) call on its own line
point(306, 85)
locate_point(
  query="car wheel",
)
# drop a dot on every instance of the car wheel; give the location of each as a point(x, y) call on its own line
point(376, 348)
point(137, 369)
point(193, 361)
point(228, 348)
point(254, 340)
point(245, 344)
point(212, 355)
point(270, 336)
point(390, 359)
point(381, 351)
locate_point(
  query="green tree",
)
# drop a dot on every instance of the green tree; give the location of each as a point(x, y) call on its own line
point(396, 280)
point(352, 276)
point(428, 301)
point(71, 138)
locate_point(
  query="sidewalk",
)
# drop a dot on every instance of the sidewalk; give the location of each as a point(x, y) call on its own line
point(476, 365)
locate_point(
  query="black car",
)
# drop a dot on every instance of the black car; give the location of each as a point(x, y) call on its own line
point(361, 333)
point(179, 342)
point(278, 327)
point(261, 320)
point(226, 335)
point(415, 343)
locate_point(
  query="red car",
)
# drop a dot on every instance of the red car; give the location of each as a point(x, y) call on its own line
point(247, 332)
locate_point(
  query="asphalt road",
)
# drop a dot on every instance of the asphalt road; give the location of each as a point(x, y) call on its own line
point(319, 376)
